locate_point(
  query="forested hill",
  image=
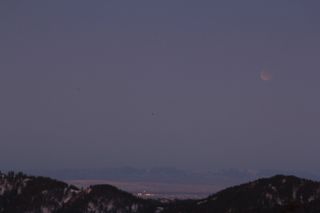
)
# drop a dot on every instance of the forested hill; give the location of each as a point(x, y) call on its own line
point(21, 193)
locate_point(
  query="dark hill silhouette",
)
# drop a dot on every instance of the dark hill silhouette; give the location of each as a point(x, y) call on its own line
point(278, 194)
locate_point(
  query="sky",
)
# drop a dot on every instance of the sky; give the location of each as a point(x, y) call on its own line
point(172, 83)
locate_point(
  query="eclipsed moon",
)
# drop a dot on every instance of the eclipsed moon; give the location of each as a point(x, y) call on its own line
point(265, 75)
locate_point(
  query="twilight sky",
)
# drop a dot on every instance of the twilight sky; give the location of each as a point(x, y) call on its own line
point(92, 84)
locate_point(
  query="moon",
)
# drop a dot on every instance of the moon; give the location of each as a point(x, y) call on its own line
point(266, 75)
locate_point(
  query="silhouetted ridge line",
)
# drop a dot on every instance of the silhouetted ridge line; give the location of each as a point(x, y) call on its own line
point(277, 194)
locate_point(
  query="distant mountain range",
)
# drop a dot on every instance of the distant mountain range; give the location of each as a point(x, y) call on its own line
point(20, 193)
point(224, 177)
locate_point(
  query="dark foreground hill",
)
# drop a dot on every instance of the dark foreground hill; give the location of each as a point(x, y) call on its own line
point(20, 193)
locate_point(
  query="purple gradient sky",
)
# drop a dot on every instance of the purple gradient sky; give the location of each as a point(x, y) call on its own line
point(91, 84)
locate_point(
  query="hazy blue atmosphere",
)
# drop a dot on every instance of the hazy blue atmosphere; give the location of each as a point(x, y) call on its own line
point(93, 84)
